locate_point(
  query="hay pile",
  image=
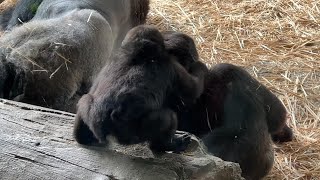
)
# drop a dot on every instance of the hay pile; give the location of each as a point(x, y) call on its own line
point(278, 42)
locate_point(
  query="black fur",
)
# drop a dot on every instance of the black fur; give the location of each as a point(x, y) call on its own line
point(181, 46)
point(235, 117)
point(52, 59)
point(129, 98)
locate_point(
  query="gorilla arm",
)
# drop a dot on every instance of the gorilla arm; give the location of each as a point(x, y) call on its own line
point(190, 84)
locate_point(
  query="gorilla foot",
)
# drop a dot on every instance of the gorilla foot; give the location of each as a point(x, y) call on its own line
point(177, 144)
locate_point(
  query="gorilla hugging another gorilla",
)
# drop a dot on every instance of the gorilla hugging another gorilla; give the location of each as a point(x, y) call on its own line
point(129, 97)
point(235, 114)
point(148, 88)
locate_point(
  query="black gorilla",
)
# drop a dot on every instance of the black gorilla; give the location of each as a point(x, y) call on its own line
point(234, 116)
point(219, 84)
point(52, 60)
point(129, 98)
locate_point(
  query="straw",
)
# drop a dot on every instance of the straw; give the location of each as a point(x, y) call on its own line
point(278, 42)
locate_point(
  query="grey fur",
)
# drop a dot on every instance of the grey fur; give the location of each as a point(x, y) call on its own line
point(54, 58)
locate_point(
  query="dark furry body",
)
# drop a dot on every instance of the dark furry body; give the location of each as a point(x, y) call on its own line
point(236, 116)
point(129, 98)
point(47, 62)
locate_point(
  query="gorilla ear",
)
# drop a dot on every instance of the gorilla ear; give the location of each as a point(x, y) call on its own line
point(81, 131)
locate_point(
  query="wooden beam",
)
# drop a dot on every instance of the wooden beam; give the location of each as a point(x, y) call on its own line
point(37, 143)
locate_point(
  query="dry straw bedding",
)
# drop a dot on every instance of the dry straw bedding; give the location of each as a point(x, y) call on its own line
point(278, 42)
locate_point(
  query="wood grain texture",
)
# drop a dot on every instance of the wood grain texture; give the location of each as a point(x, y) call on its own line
point(37, 143)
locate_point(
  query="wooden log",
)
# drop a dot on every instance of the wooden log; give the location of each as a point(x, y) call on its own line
point(37, 143)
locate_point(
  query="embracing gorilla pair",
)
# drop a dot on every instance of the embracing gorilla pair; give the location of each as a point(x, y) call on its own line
point(132, 97)
point(156, 85)
point(147, 89)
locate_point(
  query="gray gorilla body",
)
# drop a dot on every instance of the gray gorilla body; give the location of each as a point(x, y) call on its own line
point(52, 60)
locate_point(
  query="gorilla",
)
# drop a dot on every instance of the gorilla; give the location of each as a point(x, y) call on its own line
point(129, 98)
point(247, 114)
point(53, 50)
point(52, 58)
point(219, 84)
point(234, 116)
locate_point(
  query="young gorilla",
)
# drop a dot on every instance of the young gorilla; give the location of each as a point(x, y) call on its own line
point(129, 99)
point(210, 106)
point(66, 39)
point(234, 116)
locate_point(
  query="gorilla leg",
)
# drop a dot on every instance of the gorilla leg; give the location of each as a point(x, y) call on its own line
point(252, 150)
point(55, 57)
point(243, 136)
point(81, 131)
point(159, 127)
point(275, 110)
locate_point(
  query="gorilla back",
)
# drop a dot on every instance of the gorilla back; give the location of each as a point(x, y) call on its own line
point(236, 117)
point(129, 99)
point(66, 39)
point(243, 135)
